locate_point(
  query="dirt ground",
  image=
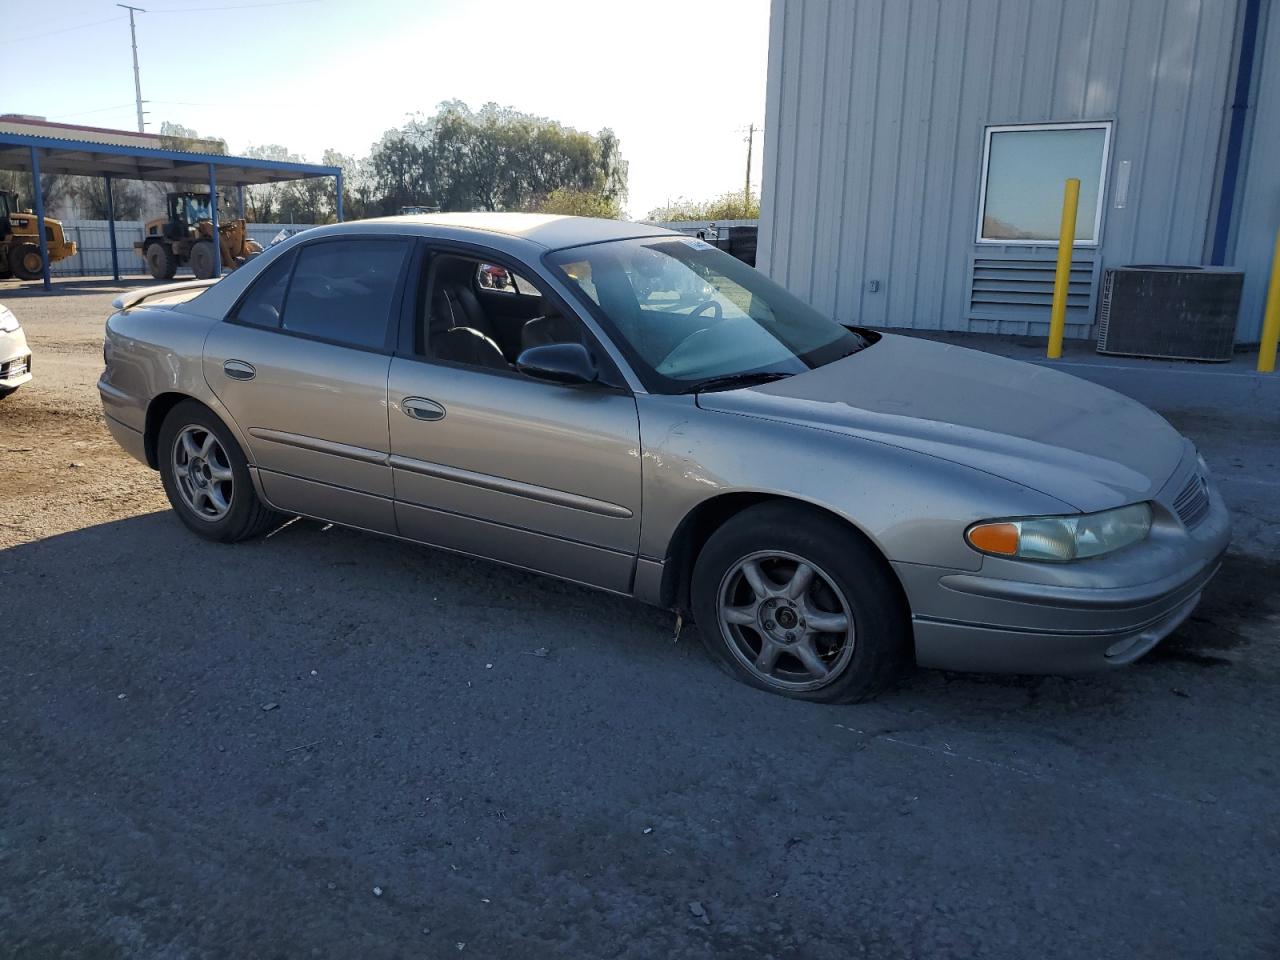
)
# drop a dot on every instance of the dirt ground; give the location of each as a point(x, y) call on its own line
point(329, 744)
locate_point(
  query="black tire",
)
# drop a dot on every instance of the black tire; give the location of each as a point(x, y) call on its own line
point(201, 259)
point(161, 262)
point(7, 391)
point(848, 573)
point(247, 516)
point(25, 261)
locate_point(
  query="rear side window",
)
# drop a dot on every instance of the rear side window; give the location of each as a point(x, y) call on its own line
point(344, 290)
point(264, 303)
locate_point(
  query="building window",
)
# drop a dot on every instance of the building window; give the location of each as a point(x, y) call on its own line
point(1023, 170)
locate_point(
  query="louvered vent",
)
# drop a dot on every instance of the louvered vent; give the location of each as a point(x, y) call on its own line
point(1021, 290)
point(1192, 504)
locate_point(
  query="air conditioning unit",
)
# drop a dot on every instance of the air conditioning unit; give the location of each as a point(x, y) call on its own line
point(1175, 313)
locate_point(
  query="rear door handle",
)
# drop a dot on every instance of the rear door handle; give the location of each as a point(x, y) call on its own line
point(420, 408)
point(239, 370)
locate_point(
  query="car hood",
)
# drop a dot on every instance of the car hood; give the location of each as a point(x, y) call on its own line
point(1080, 443)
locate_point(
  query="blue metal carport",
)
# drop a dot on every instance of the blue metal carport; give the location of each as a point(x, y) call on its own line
point(87, 158)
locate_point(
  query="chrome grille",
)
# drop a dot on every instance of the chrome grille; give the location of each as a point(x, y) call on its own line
point(1192, 504)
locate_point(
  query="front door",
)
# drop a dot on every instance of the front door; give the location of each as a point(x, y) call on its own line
point(302, 367)
point(494, 463)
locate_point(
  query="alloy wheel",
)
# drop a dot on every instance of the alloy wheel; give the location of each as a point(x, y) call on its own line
point(786, 620)
point(202, 473)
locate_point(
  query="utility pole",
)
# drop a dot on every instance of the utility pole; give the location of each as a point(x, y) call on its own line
point(137, 83)
point(746, 191)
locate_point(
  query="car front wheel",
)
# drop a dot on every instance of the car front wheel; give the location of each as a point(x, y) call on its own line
point(206, 477)
point(790, 601)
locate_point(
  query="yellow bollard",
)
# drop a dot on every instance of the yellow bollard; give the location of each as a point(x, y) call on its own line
point(1062, 276)
point(1271, 317)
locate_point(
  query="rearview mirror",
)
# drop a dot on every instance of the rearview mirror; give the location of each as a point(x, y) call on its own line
point(559, 363)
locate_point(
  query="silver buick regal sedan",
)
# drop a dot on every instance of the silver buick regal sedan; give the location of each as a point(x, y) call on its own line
point(632, 409)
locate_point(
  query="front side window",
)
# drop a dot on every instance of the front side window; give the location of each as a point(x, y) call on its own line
point(1024, 170)
point(687, 314)
point(485, 315)
point(343, 290)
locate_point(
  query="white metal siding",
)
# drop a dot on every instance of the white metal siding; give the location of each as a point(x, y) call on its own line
point(875, 114)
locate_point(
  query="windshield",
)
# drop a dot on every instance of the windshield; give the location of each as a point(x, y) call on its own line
point(686, 313)
point(198, 209)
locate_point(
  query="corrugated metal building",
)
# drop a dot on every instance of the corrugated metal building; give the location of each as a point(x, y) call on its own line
point(915, 152)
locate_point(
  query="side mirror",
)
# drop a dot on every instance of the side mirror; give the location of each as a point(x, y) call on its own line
point(559, 363)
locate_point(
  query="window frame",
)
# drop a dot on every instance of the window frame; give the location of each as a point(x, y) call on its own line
point(394, 310)
point(990, 129)
point(421, 281)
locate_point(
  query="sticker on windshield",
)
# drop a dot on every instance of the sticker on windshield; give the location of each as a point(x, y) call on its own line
point(696, 244)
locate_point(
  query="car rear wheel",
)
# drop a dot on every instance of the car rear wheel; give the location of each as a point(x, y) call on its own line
point(206, 477)
point(791, 602)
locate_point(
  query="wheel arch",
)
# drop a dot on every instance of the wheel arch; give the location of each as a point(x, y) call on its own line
point(697, 526)
point(159, 408)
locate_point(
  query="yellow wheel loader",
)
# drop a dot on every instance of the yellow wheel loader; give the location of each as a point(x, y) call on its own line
point(20, 240)
point(185, 238)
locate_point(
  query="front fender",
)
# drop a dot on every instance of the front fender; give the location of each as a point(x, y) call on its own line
point(913, 507)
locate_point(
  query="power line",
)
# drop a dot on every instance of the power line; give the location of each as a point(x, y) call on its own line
point(240, 6)
point(83, 113)
point(78, 26)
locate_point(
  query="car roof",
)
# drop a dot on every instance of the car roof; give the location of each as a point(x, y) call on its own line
point(549, 230)
point(511, 233)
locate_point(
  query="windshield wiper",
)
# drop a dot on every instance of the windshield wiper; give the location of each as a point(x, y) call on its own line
point(733, 381)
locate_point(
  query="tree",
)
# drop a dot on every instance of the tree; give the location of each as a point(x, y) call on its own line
point(126, 198)
point(54, 188)
point(494, 158)
point(728, 206)
point(579, 203)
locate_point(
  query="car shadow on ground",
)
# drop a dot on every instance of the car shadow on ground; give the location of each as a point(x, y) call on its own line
point(311, 583)
point(222, 750)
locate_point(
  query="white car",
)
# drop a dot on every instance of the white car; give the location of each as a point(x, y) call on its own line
point(15, 355)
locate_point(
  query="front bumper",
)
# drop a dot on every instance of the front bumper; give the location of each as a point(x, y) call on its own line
point(15, 360)
point(15, 372)
point(956, 645)
point(1116, 610)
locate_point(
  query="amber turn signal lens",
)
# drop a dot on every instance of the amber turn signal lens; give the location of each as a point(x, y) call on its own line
point(1001, 538)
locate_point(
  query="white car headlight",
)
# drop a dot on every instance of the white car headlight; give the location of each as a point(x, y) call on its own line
point(1063, 538)
point(8, 322)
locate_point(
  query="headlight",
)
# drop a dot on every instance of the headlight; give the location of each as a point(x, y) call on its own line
point(8, 322)
point(1062, 538)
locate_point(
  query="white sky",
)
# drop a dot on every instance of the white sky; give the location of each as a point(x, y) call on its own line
point(678, 80)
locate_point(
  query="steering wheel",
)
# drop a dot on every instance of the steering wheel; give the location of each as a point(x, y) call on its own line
point(717, 312)
point(688, 349)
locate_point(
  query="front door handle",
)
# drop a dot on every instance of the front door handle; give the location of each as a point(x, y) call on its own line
point(239, 370)
point(420, 408)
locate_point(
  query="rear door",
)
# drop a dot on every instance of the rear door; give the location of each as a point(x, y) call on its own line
point(302, 363)
point(494, 463)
